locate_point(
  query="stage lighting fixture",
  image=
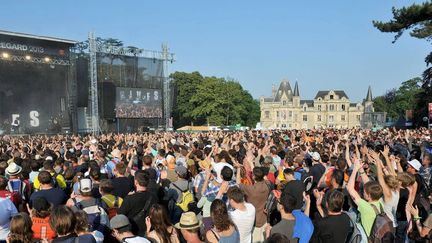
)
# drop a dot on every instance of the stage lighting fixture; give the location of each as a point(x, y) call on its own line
point(47, 59)
point(27, 57)
point(5, 55)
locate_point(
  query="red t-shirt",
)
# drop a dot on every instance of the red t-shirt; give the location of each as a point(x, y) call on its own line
point(42, 229)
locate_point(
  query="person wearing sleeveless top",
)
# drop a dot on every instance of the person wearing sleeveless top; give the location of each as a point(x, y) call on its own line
point(224, 230)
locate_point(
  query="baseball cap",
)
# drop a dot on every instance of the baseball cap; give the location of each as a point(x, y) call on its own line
point(119, 221)
point(181, 170)
point(85, 185)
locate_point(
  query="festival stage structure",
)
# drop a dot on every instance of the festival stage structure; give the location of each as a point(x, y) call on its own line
point(52, 85)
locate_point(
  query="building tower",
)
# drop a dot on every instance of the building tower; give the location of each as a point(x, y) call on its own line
point(296, 96)
point(368, 103)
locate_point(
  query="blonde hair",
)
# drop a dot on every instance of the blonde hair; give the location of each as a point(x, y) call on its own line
point(405, 178)
point(392, 182)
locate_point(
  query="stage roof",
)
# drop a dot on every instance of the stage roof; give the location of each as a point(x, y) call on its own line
point(3, 32)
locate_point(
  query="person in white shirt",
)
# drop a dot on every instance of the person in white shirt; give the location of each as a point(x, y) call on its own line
point(243, 214)
point(220, 163)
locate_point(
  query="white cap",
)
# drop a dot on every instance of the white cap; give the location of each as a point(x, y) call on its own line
point(49, 158)
point(415, 164)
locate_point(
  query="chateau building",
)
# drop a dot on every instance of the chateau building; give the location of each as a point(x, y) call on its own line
point(330, 108)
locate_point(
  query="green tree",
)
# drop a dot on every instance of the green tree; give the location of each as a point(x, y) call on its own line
point(184, 86)
point(212, 100)
point(396, 101)
point(417, 19)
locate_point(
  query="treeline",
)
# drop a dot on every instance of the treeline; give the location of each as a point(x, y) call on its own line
point(200, 100)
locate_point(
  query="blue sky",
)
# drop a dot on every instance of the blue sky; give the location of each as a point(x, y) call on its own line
point(322, 44)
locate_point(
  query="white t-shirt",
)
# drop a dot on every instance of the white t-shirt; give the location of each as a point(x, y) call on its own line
point(136, 239)
point(244, 220)
point(217, 167)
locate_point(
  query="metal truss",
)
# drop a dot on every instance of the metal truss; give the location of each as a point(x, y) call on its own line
point(134, 52)
point(93, 85)
point(29, 59)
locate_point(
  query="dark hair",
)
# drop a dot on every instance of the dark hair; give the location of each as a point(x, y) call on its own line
point(374, 189)
point(335, 201)
point(44, 177)
point(3, 182)
point(81, 223)
point(219, 215)
point(236, 194)
point(106, 186)
point(142, 179)
point(34, 165)
point(258, 174)
point(338, 176)
point(95, 174)
point(277, 238)
point(288, 171)
point(120, 168)
point(62, 220)
point(160, 222)
point(147, 160)
point(288, 202)
point(227, 173)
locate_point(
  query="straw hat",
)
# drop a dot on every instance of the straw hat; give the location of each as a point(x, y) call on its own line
point(188, 220)
point(116, 153)
point(13, 169)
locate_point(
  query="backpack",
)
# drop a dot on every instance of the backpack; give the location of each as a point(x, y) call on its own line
point(187, 198)
point(382, 228)
point(96, 215)
point(112, 211)
point(270, 208)
point(357, 233)
point(21, 192)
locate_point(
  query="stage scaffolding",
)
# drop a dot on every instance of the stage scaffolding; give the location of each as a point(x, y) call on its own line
point(98, 47)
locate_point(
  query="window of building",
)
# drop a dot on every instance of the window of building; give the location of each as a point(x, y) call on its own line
point(284, 102)
point(304, 117)
point(331, 118)
point(319, 118)
point(277, 114)
point(358, 117)
point(289, 114)
point(319, 107)
point(267, 114)
point(331, 97)
point(342, 117)
point(304, 108)
point(295, 117)
point(284, 126)
point(331, 107)
point(343, 107)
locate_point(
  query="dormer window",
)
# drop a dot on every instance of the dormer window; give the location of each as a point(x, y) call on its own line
point(331, 97)
point(284, 102)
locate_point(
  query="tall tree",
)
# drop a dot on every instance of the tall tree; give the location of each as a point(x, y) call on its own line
point(417, 19)
point(212, 100)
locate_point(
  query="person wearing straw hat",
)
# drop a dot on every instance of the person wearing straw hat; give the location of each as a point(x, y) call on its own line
point(189, 226)
point(15, 184)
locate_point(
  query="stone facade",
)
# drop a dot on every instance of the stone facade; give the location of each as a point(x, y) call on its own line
point(330, 108)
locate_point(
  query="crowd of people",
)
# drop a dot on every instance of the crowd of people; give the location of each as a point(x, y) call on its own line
point(128, 110)
point(327, 185)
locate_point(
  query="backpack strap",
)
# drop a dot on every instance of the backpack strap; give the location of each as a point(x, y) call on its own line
point(146, 206)
point(376, 209)
point(179, 188)
point(215, 235)
point(116, 199)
